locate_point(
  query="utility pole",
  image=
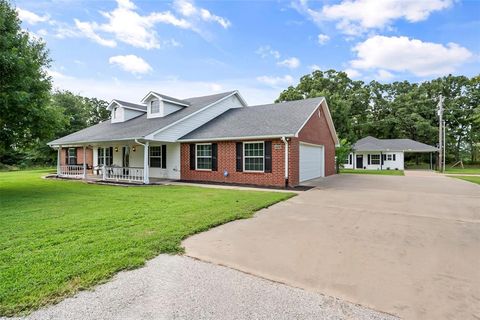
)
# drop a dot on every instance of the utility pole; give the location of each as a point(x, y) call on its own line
point(441, 159)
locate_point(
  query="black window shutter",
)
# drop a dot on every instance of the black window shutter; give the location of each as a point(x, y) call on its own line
point(214, 157)
point(110, 159)
point(368, 159)
point(394, 157)
point(66, 156)
point(164, 156)
point(192, 156)
point(384, 156)
point(268, 156)
point(239, 156)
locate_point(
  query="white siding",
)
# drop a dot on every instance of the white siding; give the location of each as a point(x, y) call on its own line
point(183, 127)
point(124, 114)
point(119, 115)
point(392, 165)
point(173, 163)
point(169, 108)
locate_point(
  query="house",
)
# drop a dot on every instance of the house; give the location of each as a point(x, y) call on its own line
point(376, 154)
point(214, 138)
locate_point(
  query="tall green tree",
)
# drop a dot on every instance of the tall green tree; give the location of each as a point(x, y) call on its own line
point(25, 113)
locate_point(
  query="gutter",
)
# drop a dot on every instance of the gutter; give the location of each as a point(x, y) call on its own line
point(285, 141)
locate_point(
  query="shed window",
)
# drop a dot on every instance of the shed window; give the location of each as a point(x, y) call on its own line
point(254, 156)
point(375, 159)
point(389, 157)
point(204, 156)
point(154, 106)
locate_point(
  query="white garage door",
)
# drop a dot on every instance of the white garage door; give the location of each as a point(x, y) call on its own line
point(311, 161)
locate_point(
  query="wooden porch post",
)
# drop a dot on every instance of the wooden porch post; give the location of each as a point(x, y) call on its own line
point(146, 170)
point(84, 163)
point(59, 171)
point(104, 172)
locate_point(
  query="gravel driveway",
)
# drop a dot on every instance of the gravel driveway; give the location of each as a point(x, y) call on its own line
point(407, 245)
point(176, 287)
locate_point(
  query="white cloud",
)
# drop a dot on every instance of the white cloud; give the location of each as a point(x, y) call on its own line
point(276, 81)
point(87, 30)
point(266, 51)
point(357, 16)
point(188, 9)
point(314, 67)
point(409, 55)
point(291, 63)
point(216, 87)
point(131, 63)
point(30, 17)
point(135, 89)
point(384, 75)
point(323, 38)
point(352, 73)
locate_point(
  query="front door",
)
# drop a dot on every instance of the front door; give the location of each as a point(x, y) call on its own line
point(126, 159)
point(359, 164)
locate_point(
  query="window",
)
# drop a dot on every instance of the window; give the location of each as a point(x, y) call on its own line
point(154, 106)
point(72, 155)
point(349, 159)
point(375, 159)
point(108, 156)
point(253, 156)
point(389, 157)
point(204, 156)
point(156, 156)
point(114, 113)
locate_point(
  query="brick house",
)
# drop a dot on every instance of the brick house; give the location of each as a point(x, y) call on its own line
point(215, 138)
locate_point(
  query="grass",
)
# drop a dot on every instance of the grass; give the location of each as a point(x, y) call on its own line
point(58, 237)
point(470, 179)
point(378, 172)
point(467, 170)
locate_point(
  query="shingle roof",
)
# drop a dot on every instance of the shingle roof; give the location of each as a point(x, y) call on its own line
point(276, 119)
point(171, 98)
point(137, 127)
point(132, 105)
point(373, 144)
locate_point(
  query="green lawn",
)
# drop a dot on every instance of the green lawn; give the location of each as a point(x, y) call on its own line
point(471, 170)
point(470, 179)
point(379, 172)
point(58, 237)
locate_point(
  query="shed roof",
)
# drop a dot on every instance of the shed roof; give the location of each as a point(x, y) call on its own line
point(407, 145)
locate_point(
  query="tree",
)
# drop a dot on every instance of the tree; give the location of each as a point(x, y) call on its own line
point(25, 114)
point(342, 152)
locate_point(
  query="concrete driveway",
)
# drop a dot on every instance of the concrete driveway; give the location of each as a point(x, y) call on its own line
point(408, 245)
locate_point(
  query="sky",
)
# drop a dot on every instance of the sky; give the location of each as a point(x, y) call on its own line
point(183, 48)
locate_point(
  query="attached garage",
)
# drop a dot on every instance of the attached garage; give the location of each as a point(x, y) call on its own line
point(312, 161)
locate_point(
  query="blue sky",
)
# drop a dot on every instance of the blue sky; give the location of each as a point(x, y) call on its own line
point(122, 49)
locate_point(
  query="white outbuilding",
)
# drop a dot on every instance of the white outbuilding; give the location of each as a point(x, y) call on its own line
point(385, 154)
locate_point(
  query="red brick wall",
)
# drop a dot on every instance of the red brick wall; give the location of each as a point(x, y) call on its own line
point(88, 154)
point(316, 131)
point(227, 161)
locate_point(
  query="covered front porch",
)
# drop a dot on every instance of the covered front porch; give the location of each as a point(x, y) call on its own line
point(142, 162)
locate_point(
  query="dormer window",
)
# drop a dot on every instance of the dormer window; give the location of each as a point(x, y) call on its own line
point(154, 106)
point(114, 113)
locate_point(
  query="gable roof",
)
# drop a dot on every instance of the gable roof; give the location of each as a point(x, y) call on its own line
point(138, 127)
point(129, 105)
point(270, 120)
point(164, 97)
point(373, 144)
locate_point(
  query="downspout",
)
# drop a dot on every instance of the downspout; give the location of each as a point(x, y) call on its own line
point(146, 179)
point(285, 141)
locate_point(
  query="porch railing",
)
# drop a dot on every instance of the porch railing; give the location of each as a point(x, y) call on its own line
point(124, 173)
point(71, 171)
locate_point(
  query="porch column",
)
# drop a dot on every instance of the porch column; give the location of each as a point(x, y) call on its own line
point(59, 171)
point(381, 160)
point(84, 163)
point(104, 169)
point(354, 160)
point(146, 179)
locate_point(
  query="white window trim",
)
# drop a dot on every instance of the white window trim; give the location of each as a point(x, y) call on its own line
point(114, 112)
point(379, 159)
point(151, 106)
point(389, 155)
point(160, 157)
point(72, 157)
point(196, 156)
point(248, 142)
